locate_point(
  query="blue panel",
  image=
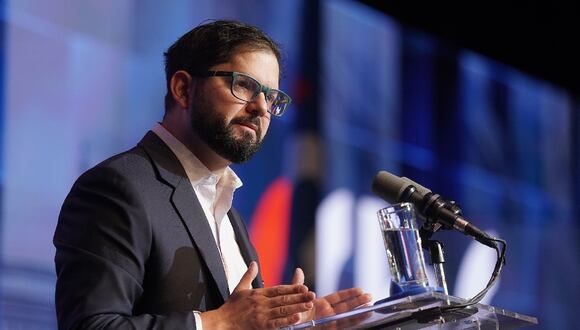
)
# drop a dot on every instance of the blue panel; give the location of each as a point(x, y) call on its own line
point(2, 78)
point(88, 82)
point(501, 143)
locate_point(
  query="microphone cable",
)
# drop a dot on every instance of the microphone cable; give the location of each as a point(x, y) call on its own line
point(500, 262)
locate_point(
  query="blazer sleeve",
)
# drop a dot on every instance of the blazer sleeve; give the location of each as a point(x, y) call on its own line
point(102, 241)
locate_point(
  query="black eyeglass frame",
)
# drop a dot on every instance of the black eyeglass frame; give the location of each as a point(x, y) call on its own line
point(263, 89)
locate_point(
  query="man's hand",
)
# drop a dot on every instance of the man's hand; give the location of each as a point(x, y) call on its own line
point(265, 308)
point(334, 303)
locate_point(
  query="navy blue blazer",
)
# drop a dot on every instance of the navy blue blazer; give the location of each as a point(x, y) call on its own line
point(134, 248)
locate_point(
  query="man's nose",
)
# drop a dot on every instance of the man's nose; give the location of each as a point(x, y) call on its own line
point(259, 106)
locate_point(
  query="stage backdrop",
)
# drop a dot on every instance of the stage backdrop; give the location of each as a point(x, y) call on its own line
point(502, 144)
point(82, 80)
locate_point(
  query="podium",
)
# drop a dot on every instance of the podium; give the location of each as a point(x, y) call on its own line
point(421, 312)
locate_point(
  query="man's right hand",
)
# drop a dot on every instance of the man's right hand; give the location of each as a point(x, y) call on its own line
point(264, 308)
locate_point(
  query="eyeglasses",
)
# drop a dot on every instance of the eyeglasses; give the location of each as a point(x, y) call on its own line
point(247, 89)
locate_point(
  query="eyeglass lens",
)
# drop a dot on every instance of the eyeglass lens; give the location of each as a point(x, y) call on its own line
point(247, 89)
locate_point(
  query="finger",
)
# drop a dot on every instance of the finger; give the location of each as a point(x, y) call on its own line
point(246, 280)
point(287, 310)
point(351, 304)
point(290, 299)
point(283, 321)
point(342, 295)
point(280, 290)
point(298, 277)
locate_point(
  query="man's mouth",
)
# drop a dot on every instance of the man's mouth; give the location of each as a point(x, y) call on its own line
point(251, 126)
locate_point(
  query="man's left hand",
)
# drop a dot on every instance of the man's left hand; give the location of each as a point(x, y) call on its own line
point(334, 303)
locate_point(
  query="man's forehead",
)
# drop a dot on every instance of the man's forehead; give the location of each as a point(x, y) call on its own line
point(255, 63)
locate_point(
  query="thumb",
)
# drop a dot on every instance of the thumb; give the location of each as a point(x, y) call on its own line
point(298, 277)
point(247, 278)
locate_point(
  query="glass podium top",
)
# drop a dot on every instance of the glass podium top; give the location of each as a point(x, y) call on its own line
point(421, 312)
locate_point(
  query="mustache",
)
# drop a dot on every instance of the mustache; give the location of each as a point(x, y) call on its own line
point(248, 120)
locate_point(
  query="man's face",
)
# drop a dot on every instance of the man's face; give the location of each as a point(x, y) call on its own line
point(234, 129)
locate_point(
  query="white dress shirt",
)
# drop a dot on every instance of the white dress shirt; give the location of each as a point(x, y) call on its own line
point(215, 191)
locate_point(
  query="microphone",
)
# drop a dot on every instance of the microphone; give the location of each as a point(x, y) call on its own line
point(434, 225)
point(394, 189)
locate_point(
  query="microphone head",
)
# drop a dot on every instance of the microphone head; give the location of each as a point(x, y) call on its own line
point(389, 186)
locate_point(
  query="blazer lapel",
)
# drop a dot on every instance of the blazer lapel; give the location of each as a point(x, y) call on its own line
point(188, 206)
point(246, 247)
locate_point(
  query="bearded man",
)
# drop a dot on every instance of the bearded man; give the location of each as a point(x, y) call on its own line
point(148, 239)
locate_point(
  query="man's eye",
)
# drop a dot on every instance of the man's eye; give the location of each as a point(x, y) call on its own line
point(246, 84)
point(271, 97)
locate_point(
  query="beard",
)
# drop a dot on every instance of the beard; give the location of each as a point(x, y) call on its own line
point(219, 135)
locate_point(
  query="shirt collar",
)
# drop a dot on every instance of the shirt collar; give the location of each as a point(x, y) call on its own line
point(196, 171)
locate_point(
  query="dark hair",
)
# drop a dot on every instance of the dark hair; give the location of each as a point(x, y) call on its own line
point(213, 43)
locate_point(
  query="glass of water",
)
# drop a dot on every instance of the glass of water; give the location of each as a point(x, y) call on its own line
point(403, 247)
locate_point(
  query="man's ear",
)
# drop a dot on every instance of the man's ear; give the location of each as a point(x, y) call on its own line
point(180, 85)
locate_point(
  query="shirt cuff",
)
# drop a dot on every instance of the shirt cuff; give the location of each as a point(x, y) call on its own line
point(197, 316)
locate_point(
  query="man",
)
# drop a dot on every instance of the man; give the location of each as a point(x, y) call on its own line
point(148, 239)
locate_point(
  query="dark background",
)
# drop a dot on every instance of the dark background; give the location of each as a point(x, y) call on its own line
point(539, 37)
